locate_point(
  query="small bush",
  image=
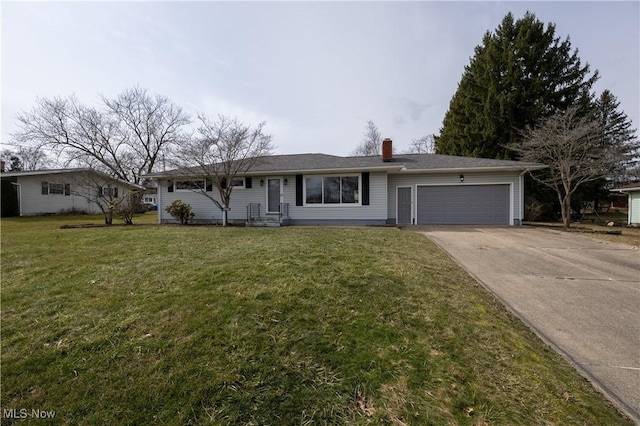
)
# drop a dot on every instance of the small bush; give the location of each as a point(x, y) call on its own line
point(181, 211)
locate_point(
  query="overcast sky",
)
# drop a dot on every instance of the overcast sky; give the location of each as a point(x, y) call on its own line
point(314, 71)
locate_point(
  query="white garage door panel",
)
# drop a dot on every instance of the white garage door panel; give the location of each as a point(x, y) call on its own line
point(464, 204)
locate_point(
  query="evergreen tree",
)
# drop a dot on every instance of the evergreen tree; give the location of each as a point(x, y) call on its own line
point(617, 131)
point(521, 73)
point(617, 135)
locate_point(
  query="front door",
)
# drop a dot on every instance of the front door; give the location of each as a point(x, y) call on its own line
point(273, 195)
point(404, 205)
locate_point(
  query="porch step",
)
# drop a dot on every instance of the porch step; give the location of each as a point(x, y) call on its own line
point(273, 222)
point(264, 223)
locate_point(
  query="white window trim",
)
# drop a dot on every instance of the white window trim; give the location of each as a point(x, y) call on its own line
point(176, 189)
point(244, 183)
point(109, 191)
point(206, 182)
point(64, 187)
point(332, 205)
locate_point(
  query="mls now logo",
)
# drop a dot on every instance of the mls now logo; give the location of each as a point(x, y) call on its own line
point(23, 413)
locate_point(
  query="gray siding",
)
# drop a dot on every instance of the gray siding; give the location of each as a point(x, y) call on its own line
point(33, 202)
point(206, 211)
point(413, 180)
point(376, 210)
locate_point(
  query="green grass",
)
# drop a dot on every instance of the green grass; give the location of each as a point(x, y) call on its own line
point(292, 326)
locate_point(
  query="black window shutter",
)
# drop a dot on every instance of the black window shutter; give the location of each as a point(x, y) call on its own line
point(45, 188)
point(67, 189)
point(170, 187)
point(365, 188)
point(209, 186)
point(299, 190)
point(223, 183)
point(247, 182)
point(115, 192)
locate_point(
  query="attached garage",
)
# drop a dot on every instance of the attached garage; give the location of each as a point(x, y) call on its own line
point(464, 204)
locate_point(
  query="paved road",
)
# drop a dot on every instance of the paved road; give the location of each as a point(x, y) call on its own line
point(580, 294)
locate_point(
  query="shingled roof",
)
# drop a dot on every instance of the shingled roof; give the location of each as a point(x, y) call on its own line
point(403, 163)
point(631, 187)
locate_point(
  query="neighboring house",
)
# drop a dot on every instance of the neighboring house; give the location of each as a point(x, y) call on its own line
point(64, 190)
point(150, 197)
point(633, 193)
point(317, 189)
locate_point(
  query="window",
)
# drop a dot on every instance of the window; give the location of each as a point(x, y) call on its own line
point(349, 189)
point(328, 190)
point(56, 188)
point(202, 184)
point(108, 192)
point(190, 185)
point(238, 183)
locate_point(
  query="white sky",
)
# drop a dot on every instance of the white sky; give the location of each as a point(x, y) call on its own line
point(315, 72)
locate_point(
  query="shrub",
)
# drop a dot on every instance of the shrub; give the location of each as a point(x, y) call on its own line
point(129, 205)
point(180, 211)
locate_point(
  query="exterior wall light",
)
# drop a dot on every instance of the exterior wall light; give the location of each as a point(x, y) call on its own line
point(461, 178)
point(285, 181)
point(261, 182)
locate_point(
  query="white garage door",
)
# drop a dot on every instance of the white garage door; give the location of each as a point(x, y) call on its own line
point(463, 204)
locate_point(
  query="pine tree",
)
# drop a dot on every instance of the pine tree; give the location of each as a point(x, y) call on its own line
point(521, 73)
point(618, 137)
point(618, 133)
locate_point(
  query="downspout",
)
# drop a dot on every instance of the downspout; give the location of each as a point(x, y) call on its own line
point(19, 197)
point(159, 194)
point(521, 201)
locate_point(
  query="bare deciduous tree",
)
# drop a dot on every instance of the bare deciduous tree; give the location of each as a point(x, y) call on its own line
point(423, 145)
point(571, 144)
point(220, 153)
point(111, 198)
point(25, 158)
point(150, 123)
point(371, 143)
point(125, 137)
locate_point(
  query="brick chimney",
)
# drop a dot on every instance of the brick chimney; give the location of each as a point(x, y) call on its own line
point(387, 150)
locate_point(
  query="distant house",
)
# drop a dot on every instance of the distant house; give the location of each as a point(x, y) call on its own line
point(633, 193)
point(63, 190)
point(150, 198)
point(320, 189)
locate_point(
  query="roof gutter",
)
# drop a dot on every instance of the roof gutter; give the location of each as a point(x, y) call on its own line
point(474, 169)
point(165, 175)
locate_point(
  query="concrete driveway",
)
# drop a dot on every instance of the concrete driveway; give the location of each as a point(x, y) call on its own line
point(581, 295)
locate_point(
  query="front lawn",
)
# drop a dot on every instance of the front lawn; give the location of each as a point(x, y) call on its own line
point(298, 325)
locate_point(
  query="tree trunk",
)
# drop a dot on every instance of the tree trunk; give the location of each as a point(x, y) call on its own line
point(224, 217)
point(565, 207)
point(108, 218)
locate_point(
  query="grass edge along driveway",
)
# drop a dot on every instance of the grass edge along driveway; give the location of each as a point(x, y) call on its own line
point(204, 325)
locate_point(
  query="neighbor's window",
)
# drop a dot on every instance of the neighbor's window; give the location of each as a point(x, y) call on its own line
point(332, 189)
point(56, 188)
point(109, 192)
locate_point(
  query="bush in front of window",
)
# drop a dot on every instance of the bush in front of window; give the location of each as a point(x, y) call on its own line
point(181, 211)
